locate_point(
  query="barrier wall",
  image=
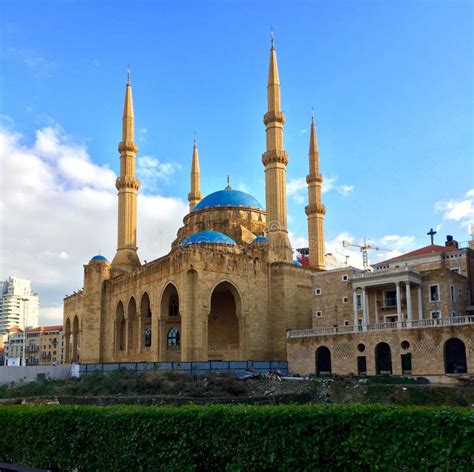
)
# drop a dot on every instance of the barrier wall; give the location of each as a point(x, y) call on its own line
point(31, 373)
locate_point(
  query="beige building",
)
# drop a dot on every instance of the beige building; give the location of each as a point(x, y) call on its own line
point(410, 315)
point(43, 345)
point(227, 290)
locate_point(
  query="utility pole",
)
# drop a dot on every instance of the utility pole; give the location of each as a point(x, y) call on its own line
point(23, 357)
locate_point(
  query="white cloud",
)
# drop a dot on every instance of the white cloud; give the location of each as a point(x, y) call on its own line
point(143, 131)
point(151, 171)
point(303, 131)
point(461, 211)
point(40, 66)
point(61, 210)
point(297, 188)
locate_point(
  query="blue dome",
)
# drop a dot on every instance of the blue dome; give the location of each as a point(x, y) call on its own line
point(207, 237)
point(260, 239)
point(229, 197)
point(297, 263)
point(99, 258)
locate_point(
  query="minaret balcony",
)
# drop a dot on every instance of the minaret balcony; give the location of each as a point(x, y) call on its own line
point(275, 155)
point(129, 146)
point(274, 116)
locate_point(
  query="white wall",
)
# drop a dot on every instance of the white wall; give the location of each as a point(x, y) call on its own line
point(30, 373)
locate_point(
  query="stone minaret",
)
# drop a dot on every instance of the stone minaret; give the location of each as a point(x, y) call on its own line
point(275, 160)
point(315, 209)
point(195, 195)
point(127, 185)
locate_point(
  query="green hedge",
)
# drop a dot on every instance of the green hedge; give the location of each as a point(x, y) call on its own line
point(235, 438)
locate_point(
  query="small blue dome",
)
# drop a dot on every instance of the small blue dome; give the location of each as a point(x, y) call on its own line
point(99, 258)
point(228, 197)
point(297, 263)
point(260, 239)
point(208, 237)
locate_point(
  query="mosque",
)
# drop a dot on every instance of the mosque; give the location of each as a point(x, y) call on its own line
point(227, 290)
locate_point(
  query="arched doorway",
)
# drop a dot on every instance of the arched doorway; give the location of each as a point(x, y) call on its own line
point(145, 317)
point(67, 342)
point(383, 359)
point(120, 328)
point(455, 357)
point(323, 361)
point(223, 336)
point(75, 340)
point(170, 322)
point(132, 319)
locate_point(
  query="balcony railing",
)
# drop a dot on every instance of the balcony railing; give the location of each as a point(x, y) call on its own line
point(378, 273)
point(329, 330)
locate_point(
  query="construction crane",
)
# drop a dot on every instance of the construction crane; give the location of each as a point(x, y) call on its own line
point(363, 249)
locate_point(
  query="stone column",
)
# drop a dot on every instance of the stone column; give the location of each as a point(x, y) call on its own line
point(356, 316)
point(399, 302)
point(376, 308)
point(364, 306)
point(74, 347)
point(420, 303)
point(367, 309)
point(140, 331)
point(67, 342)
point(409, 306)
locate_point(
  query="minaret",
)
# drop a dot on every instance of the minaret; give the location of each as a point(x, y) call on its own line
point(275, 160)
point(127, 185)
point(195, 195)
point(315, 209)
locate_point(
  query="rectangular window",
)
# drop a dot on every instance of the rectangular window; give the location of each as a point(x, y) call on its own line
point(453, 314)
point(435, 315)
point(456, 270)
point(359, 301)
point(390, 298)
point(452, 292)
point(361, 365)
point(317, 291)
point(319, 314)
point(434, 293)
point(345, 300)
point(346, 323)
point(345, 278)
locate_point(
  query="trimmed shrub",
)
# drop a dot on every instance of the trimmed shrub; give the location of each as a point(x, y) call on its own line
point(235, 438)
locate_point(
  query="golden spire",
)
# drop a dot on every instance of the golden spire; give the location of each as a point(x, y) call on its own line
point(315, 210)
point(195, 196)
point(275, 160)
point(127, 185)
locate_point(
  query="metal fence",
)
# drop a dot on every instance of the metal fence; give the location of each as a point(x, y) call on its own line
point(261, 367)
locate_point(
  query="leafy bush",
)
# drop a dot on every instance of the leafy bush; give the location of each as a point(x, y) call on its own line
point(276, 438)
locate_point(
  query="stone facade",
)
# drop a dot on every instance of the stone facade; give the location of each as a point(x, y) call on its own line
point(416, 304)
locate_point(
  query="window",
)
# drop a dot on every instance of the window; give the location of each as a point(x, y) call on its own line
point(319, 314)
point(390, 298)
point(452, 292)
point(173, 338)
point(434, 293)
point(345, 299)
point(359, 301)
point(317, 291)
point(435, 315)
point(346, 323)
point(456, 270)
point(173, 308)
point(345, 278)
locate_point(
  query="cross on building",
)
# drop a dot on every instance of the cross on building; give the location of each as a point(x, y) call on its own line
point(431, 233)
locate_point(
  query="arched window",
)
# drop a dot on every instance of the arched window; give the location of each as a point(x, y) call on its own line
point(455, 357)
point(173, 338)
point(147, 336)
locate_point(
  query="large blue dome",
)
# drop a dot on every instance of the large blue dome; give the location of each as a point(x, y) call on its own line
point(208, 237)
point(223, 198)
point(99, 258)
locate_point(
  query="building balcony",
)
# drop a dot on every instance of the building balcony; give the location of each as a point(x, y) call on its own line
point(380, 278)
point(397, 325)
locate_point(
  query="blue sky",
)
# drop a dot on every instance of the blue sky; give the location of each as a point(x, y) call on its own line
point(391, 83)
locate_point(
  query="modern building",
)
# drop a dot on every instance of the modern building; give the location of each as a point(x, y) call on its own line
point(229, 288)
point(19, 305)
point(412, 314)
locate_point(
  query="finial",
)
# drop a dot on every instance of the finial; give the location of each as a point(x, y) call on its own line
point(194, 138)
point(312, 115)
point(431, 233)
point(128, 75)
point(273, 39)
point(228, 187)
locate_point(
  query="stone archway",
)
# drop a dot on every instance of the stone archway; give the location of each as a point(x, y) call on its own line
point(75, 340)
point(67, 341)
point(132, 321)
point(455, 357)
point(170, 324)
point(145, 322)
point(223, 329)
point(323, 361)
point(120, 328)
point(383, 359)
